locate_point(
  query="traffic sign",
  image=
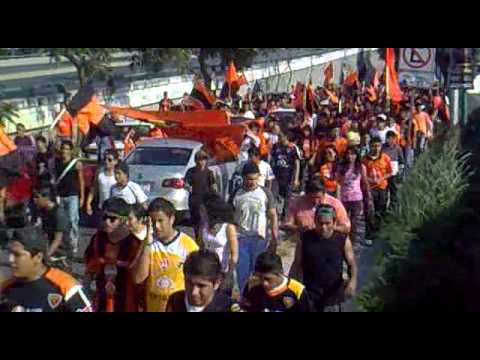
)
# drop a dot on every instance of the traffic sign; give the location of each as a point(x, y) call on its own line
point(417, 67)
point(417, 59)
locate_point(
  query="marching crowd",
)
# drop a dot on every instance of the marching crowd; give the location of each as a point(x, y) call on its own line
point(326, 175)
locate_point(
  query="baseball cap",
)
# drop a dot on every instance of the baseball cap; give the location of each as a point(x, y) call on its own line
point(382, 116)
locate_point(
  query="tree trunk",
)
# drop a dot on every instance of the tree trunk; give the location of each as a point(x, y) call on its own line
point(202, 57)
point(82, 77)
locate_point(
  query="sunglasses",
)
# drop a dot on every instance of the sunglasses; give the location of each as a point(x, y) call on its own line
point(112, 218)
point(109, 159)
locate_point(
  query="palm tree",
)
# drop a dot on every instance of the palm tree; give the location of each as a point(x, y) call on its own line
point(8, 112)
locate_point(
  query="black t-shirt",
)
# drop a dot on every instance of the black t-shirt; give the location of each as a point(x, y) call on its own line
point(55, 291)
point(322, 263)
point(56, 220)
point(283, 162)
point(69, 185)
point(42, 161)
point(220, 303)
point(201, 181)
point(292, 298)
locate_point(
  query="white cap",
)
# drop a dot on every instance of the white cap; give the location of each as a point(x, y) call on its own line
point(382, 116)
point(249, 115)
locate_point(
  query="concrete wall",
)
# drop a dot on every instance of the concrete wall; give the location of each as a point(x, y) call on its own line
point(274, 77)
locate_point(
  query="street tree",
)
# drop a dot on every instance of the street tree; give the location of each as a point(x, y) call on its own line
point(88, 62)
point(8, 111)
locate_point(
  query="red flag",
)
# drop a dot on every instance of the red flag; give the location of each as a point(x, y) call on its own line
point(393, 88)
point(328, 72)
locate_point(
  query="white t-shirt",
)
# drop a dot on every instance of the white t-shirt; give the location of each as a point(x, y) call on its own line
point(132, 193)
point(218, 244)
point(105, 184)
point(251, 209)
point(266, 172)
point(246, 145)
point(191, 308)
point(272, 138)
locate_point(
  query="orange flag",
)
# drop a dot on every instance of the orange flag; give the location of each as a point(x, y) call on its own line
point(231, 76)
point(299, 96)
point(352, 79)
point(328, 72)
point(331, 95)
point(200, 118)
point(393, 88)
point(6, 144)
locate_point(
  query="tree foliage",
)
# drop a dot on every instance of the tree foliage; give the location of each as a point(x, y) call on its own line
point(8, 111)
point(87, 61)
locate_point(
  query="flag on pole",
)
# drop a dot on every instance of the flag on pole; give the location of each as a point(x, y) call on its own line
point(231, 84)
point(298, 102)
point(328, 72)
point(310, 99)
point(352, 79)
point(393, 88)
point(202, 94)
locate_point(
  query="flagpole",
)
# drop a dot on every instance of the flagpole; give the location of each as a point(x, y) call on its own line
point(57, 119)
point(387, 82)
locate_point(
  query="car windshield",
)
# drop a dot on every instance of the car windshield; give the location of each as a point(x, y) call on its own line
point(158, 156)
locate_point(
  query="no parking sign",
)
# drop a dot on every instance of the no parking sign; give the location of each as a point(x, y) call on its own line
point(417, 67)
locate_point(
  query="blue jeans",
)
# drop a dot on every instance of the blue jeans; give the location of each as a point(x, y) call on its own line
point(71, 206)
point(249, 247)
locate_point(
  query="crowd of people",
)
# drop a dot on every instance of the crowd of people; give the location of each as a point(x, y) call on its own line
point(325, 175)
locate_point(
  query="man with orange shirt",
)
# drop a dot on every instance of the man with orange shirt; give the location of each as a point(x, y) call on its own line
point(421, 122)
point(379, 170)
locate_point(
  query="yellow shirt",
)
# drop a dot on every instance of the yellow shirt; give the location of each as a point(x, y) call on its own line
point(166, 270)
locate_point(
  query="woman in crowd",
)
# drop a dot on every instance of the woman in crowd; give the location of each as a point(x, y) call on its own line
point(352, 179)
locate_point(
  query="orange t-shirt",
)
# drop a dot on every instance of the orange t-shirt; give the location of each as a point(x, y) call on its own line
point(420, 123)
point(341, 144)
point(377, 170)
point(328, 177)
point(6, 144)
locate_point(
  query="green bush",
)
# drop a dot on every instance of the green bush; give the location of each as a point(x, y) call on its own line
point(429, 196)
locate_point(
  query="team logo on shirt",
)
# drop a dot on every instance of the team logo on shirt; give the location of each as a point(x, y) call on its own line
point(164, 282)
point(54, 300)
point(288, 301)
